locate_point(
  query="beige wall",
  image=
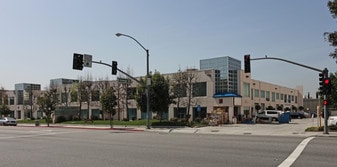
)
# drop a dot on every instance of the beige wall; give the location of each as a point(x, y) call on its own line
point(295, 94)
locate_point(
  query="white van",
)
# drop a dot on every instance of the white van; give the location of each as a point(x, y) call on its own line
point(265, 114)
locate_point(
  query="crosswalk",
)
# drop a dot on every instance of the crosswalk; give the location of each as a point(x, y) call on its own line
point(17, 132)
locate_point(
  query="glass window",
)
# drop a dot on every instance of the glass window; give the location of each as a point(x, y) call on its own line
point(246, 89)
point(267, 94)
point(95, 95)
point(131, 92)
point(263, 94)
point(273, 96)
point(200, 89)
point(256, 93)
point(180, 90)
point(11, 101)
point(181, 113)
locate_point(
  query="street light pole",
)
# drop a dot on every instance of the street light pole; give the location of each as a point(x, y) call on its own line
point(148, 82)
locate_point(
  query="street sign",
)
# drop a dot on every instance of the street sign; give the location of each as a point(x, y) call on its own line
point(124, 80)
point(87, 60)
point(198, 108)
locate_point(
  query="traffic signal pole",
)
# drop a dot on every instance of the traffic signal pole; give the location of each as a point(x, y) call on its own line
point(126, 74)
point(324, 72)
point(291, 62)
point(325, 117)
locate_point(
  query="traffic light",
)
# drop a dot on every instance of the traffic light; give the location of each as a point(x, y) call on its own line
point(325, 102)
point(321, 83)
point(114, 68)
point(327, 86)
point(78, 61)
point(247, 63)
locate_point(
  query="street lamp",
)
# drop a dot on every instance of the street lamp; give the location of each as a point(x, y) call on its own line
point(148, 82)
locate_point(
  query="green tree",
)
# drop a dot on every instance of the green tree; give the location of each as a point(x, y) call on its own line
point(108, 102)
point(332, 36)
point(4, 109)
point(47, 103)
point(159, 94)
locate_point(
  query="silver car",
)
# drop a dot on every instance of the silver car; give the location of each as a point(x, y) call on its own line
point(8, 121)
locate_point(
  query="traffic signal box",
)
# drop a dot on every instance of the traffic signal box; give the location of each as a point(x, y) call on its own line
point(321, 83)
point(78, 61)
point(114, 68)
point(247, 63)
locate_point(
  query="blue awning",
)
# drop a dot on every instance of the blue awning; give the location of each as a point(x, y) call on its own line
point(226, 94)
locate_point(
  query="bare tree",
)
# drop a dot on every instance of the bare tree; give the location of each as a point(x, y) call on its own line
point(103, 86)
point(191, 80)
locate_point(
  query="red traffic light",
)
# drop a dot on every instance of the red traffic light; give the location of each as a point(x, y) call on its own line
point(326, 81)
point(325, 102)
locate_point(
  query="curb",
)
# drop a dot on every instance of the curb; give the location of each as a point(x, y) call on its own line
point(85, 127)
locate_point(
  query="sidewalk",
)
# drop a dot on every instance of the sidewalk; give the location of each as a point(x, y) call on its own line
point(295, 128)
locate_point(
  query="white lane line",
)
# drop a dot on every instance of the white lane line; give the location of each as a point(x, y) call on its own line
point(36, 135)
point(296, 153)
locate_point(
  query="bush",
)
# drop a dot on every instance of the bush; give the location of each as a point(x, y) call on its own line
point(169, 123)
point(60, 119)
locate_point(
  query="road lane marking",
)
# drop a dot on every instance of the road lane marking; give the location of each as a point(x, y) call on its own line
point(36, 135)
point(296, 153)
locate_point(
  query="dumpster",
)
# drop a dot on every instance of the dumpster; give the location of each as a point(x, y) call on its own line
point(284, 117)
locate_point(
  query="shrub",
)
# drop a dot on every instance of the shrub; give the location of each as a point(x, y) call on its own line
point(60, 119)
point(168, 123)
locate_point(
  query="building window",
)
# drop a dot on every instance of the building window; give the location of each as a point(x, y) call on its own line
point(281, 96)
point(180, 90)
point(277, 96)
point(246, 89)
point(181, 113)
point(263, 94)
point(11, 101)
point(131, 93)
point(273, 96)
point(256, 93)
point(200, 89)
point(220, 101)
point(267, 95)
point(95, 95)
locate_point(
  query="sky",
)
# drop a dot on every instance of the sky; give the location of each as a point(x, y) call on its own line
point(38, 37)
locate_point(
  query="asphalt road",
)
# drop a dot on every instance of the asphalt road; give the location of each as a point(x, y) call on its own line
point(64, 147)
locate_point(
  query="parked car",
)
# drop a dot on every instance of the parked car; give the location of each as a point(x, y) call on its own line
point(265, 114)
point(295, 114)
point(332, 120)
point(313, 113)
point(8, 121)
